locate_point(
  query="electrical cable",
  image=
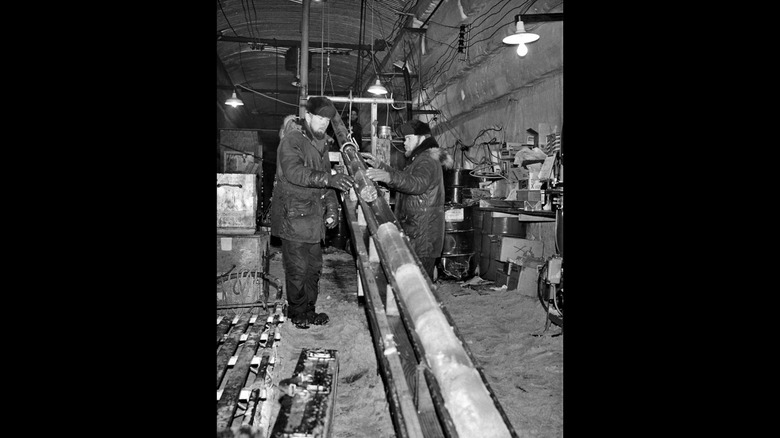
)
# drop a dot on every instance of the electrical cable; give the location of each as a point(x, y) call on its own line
point(502, 25)
point(219, 2)
point(486, 16)
point(255, 19)
point(397, 27)
point(444, 25)
point(360, 43)
point(247, 18)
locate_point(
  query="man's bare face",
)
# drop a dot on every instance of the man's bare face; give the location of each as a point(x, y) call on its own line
point(318, 125)
point(411, 142)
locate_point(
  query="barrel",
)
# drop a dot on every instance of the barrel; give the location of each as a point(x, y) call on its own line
point(489, 227)
point(458, 184)
point(457, 260)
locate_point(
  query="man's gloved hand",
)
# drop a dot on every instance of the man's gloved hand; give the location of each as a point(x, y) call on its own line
point(370, 159)
point(378, 175)
point(340, 181)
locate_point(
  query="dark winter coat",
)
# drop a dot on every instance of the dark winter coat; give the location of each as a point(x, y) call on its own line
point(420, 197)
point(300, 200)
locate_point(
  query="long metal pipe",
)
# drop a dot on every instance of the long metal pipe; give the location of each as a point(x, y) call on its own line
point(365, 100)
point(303, 72)
point(466, 397)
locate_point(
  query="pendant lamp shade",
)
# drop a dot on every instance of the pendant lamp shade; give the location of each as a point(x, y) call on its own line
point(521, 36)
point(377, 88)
point(234, 101)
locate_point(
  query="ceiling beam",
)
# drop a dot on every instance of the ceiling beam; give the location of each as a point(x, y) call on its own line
point(379, 45)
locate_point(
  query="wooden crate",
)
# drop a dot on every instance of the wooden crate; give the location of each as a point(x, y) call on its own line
point(236, 203)
point(243, 257)
point(246, 141)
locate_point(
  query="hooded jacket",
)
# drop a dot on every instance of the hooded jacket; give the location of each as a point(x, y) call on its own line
point(420, 197)
point(301, 199)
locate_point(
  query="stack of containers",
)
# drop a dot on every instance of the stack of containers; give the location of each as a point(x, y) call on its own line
point(490, 225)
point(458, 260)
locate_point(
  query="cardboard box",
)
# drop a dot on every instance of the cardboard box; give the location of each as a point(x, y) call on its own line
point(514, 247)
point(517, 174)
point(523, 278)
point(529, 195)
point(510, 281)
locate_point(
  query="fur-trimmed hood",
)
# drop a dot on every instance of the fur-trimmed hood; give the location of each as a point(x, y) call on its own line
point(444, 157)
point(289, 124)
point(430, 146)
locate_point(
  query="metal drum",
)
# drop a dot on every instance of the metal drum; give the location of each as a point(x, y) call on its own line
point(457, 218)
point(458, 242)
point(458, 184)
point(455, 195)
point(489, 228)
point(460, 178)
point(487, 263)
point(507, 225)
point(457, 260)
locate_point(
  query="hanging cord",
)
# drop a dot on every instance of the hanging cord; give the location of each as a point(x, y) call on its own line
point(322, 51)
point(224, 291)
point(239, 283)
point(373, 36)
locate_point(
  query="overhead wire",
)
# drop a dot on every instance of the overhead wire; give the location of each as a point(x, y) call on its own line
point(360, 43)
point(240, 63)
point(219, 2)
point(485, 15)
point(361, 72)
point(322, 50)
point(499, 22)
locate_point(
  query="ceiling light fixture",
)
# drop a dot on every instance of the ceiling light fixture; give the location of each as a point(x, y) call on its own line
point(521, 37)
point(234, 101)
point(377, 88)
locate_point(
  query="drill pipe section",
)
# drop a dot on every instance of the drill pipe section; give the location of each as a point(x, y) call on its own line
point(466, 398)
point(364, 187)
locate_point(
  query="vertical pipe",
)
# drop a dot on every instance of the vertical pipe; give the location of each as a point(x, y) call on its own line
point(374, 122)
point(304, 56)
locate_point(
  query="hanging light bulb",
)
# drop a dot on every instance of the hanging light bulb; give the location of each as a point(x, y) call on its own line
point(520, 37)
point(377, 88)
point(234, 101)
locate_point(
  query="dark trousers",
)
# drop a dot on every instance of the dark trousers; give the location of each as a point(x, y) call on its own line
point(302, 267)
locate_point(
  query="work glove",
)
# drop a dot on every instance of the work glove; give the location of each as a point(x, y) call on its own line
point(370, 159)
point(378, 175)
point(340, 181)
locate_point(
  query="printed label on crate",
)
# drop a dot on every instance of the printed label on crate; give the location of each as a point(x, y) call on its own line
point(226, 243)
point(453, 215)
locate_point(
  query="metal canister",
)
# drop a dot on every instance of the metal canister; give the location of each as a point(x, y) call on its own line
point(384, 132)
